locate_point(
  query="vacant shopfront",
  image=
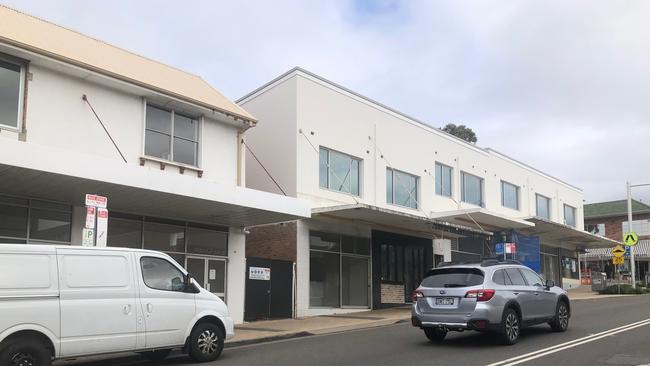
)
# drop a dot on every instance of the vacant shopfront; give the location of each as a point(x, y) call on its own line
point(201, 249)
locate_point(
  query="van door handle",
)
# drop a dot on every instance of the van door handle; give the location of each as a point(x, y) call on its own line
point(149, 308)
point(127, 309)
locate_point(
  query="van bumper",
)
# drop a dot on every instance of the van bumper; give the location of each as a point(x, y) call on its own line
point(229, 325)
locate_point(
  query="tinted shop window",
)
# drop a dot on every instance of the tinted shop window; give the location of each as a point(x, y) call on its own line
point(124, 233)
point(50, 221)
point(205, 241)
point(515, 277)
point(453, 277)
point(355, 245)
point(324, 241)
point(324, 279)
point(164, 237)
point(13, 221)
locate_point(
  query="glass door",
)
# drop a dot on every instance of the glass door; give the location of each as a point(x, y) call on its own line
point(209, 272)
point(354, 281)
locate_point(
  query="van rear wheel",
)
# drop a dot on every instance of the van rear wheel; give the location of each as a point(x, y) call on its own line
point(25, 351)
point(206, 342)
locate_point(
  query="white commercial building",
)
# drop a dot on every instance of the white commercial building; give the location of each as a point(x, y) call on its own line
point(392, 196)
point(81, 116)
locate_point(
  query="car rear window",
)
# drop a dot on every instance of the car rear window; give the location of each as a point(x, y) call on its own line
point(453, 277)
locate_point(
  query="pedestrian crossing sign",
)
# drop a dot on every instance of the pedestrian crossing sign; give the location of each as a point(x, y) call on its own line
point(630, 238)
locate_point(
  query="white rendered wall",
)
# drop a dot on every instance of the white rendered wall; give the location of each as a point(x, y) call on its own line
point(236, 274)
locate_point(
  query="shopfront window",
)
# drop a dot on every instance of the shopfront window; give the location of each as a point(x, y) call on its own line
point(124, 232)
point(24, 220)
point(164, 237)
point(338, 270)
point(205, 241)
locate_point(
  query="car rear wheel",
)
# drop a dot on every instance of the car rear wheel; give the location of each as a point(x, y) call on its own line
point(157, 355)
point(435, 334)
point(560, 322)
point(511, 326)
point(206, 342)
point(25, 351)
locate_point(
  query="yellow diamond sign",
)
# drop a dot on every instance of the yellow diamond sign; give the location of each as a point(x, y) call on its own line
point(618, 251)
point(630, 238)
point(618, 260)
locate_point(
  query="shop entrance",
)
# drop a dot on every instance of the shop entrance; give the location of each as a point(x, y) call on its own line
point(209, 272)
point(269, 289)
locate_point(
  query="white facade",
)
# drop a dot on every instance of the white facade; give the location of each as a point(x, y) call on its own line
point(301, 113)
point(58, 151)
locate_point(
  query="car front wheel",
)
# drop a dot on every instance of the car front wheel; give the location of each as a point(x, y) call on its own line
point(510, 327)
point(560, 322)
point(206, 342)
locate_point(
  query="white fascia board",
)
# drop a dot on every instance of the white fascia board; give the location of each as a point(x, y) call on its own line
point(71, 163)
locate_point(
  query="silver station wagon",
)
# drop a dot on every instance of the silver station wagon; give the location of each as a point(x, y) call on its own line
point(490, 296)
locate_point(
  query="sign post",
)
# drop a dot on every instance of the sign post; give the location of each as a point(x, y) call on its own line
point(95, 229)
point(629, 229)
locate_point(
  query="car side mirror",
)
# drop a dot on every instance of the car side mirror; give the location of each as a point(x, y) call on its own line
point(188, 285)
point(550, 283)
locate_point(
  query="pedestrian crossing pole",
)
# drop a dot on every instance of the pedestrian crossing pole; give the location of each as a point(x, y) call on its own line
point(629, 229)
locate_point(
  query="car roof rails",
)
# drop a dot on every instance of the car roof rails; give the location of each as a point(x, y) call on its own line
point(487, 262)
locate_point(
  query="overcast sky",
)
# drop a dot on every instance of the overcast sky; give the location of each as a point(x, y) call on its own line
point(562, 86)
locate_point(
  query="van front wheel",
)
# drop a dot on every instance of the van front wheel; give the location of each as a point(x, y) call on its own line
point(25, 351)
point(206, 342)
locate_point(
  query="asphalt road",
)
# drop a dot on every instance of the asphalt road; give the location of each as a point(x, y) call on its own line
point(589, 341)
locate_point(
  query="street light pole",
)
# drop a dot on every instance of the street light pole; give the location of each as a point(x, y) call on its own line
point(629, 229)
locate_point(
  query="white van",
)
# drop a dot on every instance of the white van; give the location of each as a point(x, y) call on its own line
point(66, 301)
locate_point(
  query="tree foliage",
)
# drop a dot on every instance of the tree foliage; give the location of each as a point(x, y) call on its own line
point(460, 131)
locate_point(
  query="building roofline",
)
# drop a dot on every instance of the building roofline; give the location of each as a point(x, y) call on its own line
point(297, 70)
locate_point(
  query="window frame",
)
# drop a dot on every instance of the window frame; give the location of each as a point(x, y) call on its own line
point(352, 157)
point(442, 187)
point(21, 92)
point(481, 190)
point(199, 135)
point(417, 189)
point(28, 204)
point(549, 206)
point(574, 210)
point(518, 195)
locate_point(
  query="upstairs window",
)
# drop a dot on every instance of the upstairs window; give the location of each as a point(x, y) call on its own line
point(339, 172)
point(10, 94)
point(543, 206)
point(471, 189)
point(171, 136)
point(569, 215)
point(401, 188)
point(509, 195)
point(443, 180)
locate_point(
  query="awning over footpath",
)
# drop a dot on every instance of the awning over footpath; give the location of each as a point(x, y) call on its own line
point(488, 220)
point(641, 250)
point(564, 235)
point(388, 218)
point(41, 172)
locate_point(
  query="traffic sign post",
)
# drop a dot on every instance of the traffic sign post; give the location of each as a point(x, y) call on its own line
point(96, 226)
point(629, 228)
point(630, 238)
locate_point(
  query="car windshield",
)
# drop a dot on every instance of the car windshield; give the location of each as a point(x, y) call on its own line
point(453, 277)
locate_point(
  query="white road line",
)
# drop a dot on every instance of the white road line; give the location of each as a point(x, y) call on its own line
point(562, 346)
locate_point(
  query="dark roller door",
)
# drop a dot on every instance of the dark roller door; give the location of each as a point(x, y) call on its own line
point(281, 289)
point(268, 299)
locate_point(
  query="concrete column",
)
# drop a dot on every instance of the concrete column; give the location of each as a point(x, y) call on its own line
point(236, 286)
point(302, 270)
point(77, 224)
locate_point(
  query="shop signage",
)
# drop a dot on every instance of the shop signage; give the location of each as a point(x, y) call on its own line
point(87, 237)
point(510, 248)
point(259, 273)
point(95, 200)
point(630, 238)
point(102, 227)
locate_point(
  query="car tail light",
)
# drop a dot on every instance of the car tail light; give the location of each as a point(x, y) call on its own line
point(480, 295)
point(417, 295)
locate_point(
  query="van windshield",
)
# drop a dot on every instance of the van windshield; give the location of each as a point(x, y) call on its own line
point(453, 277)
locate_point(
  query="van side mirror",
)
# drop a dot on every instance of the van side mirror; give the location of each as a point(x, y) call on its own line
point(188, 286)
point(550, 283)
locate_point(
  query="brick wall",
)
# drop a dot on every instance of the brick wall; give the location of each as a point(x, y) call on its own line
point(614, 225)
point(273, 242)
point(392, 293)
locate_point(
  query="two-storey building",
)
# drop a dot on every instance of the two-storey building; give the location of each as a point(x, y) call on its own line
point(81, 116)
point(392, 196)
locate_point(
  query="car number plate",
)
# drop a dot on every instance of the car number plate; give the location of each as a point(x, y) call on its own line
point(444, 301)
